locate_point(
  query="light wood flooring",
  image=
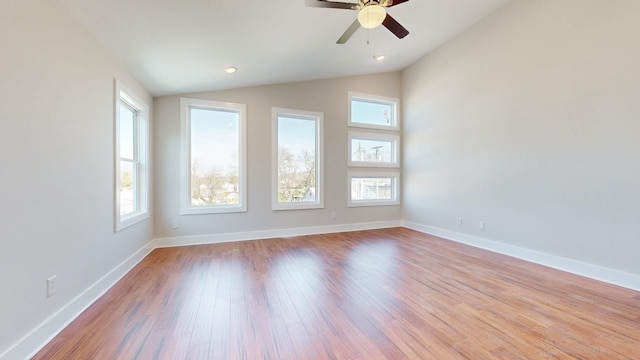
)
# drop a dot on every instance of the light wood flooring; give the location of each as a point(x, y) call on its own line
point(380, 294)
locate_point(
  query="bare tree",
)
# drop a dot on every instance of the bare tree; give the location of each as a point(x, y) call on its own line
point(287, 168)
point(296, 174)
point(207, 184)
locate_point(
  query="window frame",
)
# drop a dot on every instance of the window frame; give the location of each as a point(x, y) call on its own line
point(318, 117)
point(395, 188)
point(126, 97)
point(375, 99)
point(374, 136)
point(368, 169)
point(186, 104)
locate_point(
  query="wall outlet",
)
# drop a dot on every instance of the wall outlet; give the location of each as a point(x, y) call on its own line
point(459, 221)
point(176, 224)
point(52, 286)
point(481, 225)
point(333, 214)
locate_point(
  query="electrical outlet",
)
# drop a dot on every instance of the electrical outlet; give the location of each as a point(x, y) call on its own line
point(176, 224)
point(481, 225)
point(333, 214)
point(459, 221)
point(52, 286)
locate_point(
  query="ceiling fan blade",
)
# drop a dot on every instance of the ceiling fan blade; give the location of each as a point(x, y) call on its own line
point(396, 2)
point(395, 27)
point(350, 31)
point(332, 4)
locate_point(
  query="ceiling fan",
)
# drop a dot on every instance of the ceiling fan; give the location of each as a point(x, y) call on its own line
point(371, 14)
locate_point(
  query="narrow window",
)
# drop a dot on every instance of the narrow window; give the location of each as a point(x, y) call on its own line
point(129, 160)
point(131, 165)
point(213, 157)
point(297, 160)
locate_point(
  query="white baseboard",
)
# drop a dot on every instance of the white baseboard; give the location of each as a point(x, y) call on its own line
point(611, 276)
point(35, 340)
point(268, 234)
point(31, 343)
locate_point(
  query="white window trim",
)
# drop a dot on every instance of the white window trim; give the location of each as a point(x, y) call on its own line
point(379, 99)
point(395, 147)
point(185, 157)
point(318, 117)
point(395, 188)
point(123, 94)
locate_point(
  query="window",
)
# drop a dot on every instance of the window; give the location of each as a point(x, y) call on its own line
point(371, 150)
point(213, 157)
point(373, 188)
point(374, 112)
point(297, 159)
point(131, 158)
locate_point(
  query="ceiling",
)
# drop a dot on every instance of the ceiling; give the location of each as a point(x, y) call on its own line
point(183, 46)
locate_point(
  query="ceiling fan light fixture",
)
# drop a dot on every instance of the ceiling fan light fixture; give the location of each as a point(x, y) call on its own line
point(371, 16)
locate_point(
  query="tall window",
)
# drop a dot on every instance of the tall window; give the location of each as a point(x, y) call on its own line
point(131, 155)
point(213, 157)
point(297, 160)
point(374, 156)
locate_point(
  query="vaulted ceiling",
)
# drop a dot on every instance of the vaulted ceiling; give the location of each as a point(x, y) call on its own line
point(182, 46)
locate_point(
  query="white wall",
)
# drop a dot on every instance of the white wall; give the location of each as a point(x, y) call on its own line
point(328, 96)
point(530, 121)
point(56, 161)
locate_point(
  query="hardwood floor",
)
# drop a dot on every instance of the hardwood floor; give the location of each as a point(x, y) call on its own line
point(381, 294)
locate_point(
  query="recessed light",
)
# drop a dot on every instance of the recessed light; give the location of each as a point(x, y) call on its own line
point(231, 70)
point(378, 57)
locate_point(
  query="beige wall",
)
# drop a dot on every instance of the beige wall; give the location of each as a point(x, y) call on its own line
point(327, 96)
point(56, 170)
point(530, 121)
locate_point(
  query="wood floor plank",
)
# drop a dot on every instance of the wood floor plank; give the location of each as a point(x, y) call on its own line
point(379, 294)
point(219, 346)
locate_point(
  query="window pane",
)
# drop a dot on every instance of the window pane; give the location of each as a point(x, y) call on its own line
point(127, 131)
point(371, 188)
point(128, 184)
point(296, 160)
point(372, 113)
point(215, 157)
point(365, 150)
point(131, 196)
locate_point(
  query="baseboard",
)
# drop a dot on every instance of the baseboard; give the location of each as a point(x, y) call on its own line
point(35, 340)
point(31, 343)
point(600, 273)
point(268, 234)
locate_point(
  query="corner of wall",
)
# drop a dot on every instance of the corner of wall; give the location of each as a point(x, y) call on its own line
point(36, 339)
point(600, 273)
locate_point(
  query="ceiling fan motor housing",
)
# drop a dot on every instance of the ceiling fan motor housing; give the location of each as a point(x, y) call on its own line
point(371, 14)
point(384, 3)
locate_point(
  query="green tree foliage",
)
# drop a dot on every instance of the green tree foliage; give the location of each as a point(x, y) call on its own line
point(126, 180)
